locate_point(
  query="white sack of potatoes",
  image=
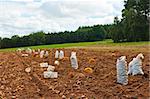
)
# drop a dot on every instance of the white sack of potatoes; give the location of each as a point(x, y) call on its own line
point(135, 66)
point(51, 68)
point(121, 65)
point(50, 74)
point(61, 54)
point(57, 54)
point(42, 54)
point(44, 65)
point(73, 59)
point(46, 54)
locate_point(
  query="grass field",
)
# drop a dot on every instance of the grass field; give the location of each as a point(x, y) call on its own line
point(107, 42)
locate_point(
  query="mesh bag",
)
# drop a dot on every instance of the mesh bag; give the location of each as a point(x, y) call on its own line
point(61, 54)
point(57, 54)
point(74, 62)
point(41, 54)
point(135, 66)
point(122, 77)
point(50, 74)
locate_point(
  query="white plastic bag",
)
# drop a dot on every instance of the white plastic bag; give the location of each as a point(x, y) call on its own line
point(135, 66)
point(61, 54)
point(74, 62)
point(122, 76)
point(51, 68)
point(50, 74)
point(42, 53)
point(57, 54)
point(46, 54)
point(44, 65)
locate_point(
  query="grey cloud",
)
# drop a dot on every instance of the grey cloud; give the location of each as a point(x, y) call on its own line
point(37, 0)
point(55, 15)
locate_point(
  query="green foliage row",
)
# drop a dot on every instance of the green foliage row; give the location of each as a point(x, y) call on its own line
point(83, 34)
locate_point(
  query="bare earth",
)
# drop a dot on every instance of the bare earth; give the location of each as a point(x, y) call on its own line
point(73, 84)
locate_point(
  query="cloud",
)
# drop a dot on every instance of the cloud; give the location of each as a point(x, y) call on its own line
point(21, 17)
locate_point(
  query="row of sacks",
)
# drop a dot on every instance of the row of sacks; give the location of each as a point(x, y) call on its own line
point(41, 53)
point(58, 54)
point(28, 51)
point(25, 52)
point(73, 58)
point(50, 73)
point(44, 54)
point(134, 68)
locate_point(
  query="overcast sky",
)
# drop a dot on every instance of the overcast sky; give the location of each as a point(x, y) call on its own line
point(22, 17)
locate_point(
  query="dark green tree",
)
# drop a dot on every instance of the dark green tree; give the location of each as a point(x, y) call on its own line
point(134, 25)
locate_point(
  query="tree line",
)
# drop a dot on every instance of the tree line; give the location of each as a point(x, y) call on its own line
point(133, 26)
point(82, 34)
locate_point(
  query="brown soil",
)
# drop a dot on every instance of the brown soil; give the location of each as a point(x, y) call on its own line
point(72, 84)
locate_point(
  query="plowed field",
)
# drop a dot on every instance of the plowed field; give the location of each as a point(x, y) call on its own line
point(73, 84)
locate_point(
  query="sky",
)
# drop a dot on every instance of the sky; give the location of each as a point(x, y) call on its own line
point(22, 17)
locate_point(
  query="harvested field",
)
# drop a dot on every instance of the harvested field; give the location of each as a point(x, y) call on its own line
point(73, 84)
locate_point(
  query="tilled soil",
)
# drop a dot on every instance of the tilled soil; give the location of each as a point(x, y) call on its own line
point(72, 84)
